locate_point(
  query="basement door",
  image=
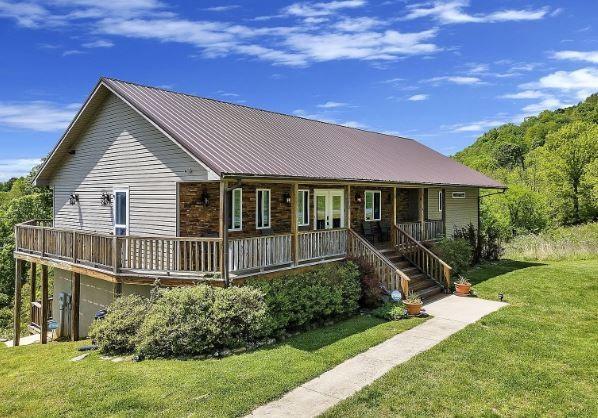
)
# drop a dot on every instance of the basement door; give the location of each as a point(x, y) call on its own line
point(329, 208)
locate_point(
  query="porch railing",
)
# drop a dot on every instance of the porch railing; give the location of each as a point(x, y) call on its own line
point(259, 252)
point(424, 231)
point(36, 314)
point(315, 245)
point(119, 254)
point(428, 262)
point(392, 277)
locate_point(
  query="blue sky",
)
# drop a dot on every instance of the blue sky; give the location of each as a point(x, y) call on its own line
point(441, 72)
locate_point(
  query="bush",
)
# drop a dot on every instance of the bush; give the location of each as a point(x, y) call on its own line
point(456, 252)
point(197, 320)
point(390, 311)
point(297, 299)
point(371, 286)
point(117, 332)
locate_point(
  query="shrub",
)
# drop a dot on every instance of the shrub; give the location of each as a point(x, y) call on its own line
point(390, 311)
point(297, 299)
point(197, 320)
point(456, 252)
point(117, 333)
point(371, 286)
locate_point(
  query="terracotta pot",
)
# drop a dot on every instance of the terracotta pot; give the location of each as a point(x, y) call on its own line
point(463, 289)
point(413, 308)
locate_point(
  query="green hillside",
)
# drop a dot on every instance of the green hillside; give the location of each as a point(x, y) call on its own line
point(549, 164)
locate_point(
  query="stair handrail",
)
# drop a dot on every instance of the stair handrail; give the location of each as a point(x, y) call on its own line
point(447, 269)
point(404, 279)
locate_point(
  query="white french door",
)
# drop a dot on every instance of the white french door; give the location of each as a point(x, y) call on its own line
point(329, 209)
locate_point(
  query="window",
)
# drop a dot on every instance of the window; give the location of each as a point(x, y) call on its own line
point(263, 209)
point(303, 207)
point(373, 201)
point(440, 200)
point(235, 210)
point(458, 195)
point(121, 211)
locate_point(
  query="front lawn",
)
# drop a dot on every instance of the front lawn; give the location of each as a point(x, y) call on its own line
point(536, 357)
point(40, 380)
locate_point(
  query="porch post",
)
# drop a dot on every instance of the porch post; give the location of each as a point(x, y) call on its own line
point(422, 219)
point(75, 297)
point(444, 212)
point(19, 264)
point(224, 231)
point(44, 321)
point(32, 291)
point(394, 215)
point(348, 206)
point(294, 223)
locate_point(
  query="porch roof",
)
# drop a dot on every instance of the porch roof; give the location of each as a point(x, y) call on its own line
point(232, 139)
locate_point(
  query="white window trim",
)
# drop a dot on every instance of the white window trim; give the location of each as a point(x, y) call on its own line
point(458, 195)
point(121, 189)
point(257, 194)
point(373, 203)
point(232, 209)
point(306, 207)
point(440, 200)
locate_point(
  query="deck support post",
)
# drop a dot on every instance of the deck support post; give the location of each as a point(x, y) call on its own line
point(44, 321)
point(393, 235)
point(224, 231)
point(421, 215)
point(32, 290)
point(294, 223)
point(75, 298)
point(19, 264)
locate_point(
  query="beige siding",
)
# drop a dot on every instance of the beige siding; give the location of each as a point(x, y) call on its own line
point(120, 148)
point(461, 212)
point(433, 212)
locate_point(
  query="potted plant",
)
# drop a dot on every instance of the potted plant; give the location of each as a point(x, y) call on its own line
point(462, 286)
point(413, 303)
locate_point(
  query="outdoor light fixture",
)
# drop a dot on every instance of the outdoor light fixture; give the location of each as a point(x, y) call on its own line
point(286, 198)
point(106, 199)
point(204, 198)
point(73, 199)
point(358, 198)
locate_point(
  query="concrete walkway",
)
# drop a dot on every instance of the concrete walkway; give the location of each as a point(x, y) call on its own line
point(29, 339)
point(450, 314)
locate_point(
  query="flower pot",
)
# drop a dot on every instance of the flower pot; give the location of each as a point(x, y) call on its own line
point(462, 289)
point(413, 308)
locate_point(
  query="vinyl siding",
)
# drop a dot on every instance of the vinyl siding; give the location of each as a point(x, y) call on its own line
point(120, 148)
point(433, 212)
point(461, 212)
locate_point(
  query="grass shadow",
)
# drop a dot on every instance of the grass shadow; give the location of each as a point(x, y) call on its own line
point(488, 270)
point(321, 337)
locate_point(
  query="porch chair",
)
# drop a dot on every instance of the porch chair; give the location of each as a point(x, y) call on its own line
point(368, 232)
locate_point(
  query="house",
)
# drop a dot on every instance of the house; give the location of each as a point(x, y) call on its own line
point(151, 184)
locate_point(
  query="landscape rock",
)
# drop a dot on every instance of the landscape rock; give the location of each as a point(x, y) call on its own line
point(80, 357)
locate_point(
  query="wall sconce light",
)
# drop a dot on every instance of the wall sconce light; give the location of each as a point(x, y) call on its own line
point(204, 198)
point(106, 199)
point(358, 198)
point(73, 199)
point(286, 198)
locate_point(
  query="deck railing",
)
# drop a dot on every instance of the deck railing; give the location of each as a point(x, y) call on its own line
point(320, 244)
point(428, 262)
point(36, 314)
point(390, 276)
point(424, 231)
point(119, 254)
point(259, 252)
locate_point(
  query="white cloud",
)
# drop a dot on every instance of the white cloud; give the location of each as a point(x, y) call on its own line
point(476, 126)
point(525, 94)
point(550, 103)
point(332, 105)
point(453, 12)
point(321, 9)
point(16, 167)
point(418, 97)
point(462, 80)
point(589, 56)
point(582, 79)
point(99, 43)
point(358, 24)
point(37, 115)
point(324, 118)
point(222, 8)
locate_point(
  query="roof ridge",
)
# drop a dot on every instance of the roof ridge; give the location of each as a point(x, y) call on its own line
point(255, 108)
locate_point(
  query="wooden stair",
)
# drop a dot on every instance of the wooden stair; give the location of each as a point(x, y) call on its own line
point(419, 282)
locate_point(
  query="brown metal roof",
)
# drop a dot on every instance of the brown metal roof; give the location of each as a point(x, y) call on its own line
point(239, 140)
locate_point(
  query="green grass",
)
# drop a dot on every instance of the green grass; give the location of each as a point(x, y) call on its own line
point(536, 357)
point(570, 242)
point(40, 380)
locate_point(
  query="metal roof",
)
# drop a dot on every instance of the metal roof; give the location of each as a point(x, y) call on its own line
point(233, 139)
